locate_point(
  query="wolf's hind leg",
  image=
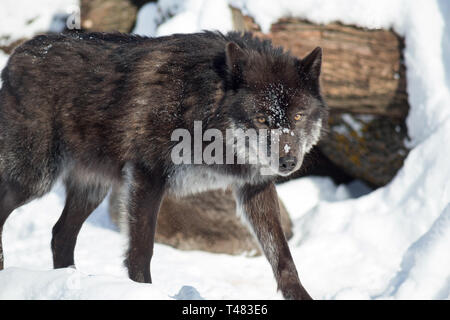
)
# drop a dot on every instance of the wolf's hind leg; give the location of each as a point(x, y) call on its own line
point(12, 196)
point(81, 200)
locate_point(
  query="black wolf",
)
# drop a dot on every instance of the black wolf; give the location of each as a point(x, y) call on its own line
point(98, 109)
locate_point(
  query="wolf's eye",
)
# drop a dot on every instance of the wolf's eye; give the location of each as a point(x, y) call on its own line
point(298, 117)
point(261, 119)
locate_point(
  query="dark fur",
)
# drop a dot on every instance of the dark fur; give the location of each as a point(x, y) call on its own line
point(99, 109)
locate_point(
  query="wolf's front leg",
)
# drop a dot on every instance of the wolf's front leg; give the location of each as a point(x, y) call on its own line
point(145, 193)
point(259, 205)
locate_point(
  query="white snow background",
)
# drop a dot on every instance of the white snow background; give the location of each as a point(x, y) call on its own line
point(392, 243)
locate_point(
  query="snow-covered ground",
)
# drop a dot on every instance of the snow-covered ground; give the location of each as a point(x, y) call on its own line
point(392, 243)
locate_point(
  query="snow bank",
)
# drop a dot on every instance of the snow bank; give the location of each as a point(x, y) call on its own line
point(393, 243)
point(24, 18)
point(423, 264)
point(99, 257)
point(362, 244)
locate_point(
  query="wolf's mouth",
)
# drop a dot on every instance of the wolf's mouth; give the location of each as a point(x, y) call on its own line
point(285, 174)
point(277, 172)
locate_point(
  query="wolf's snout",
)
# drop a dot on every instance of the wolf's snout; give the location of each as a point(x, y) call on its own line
point(287, 164)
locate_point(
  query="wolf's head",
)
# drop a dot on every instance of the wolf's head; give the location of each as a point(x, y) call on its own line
point(272, 90)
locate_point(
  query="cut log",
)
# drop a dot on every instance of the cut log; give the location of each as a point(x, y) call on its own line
point(108, 15)
point(362, 69)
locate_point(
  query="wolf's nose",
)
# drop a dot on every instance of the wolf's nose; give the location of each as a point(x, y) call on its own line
point(287, 163)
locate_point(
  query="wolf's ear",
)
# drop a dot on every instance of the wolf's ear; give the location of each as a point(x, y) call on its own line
point(312, 63)
point(234, 57)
